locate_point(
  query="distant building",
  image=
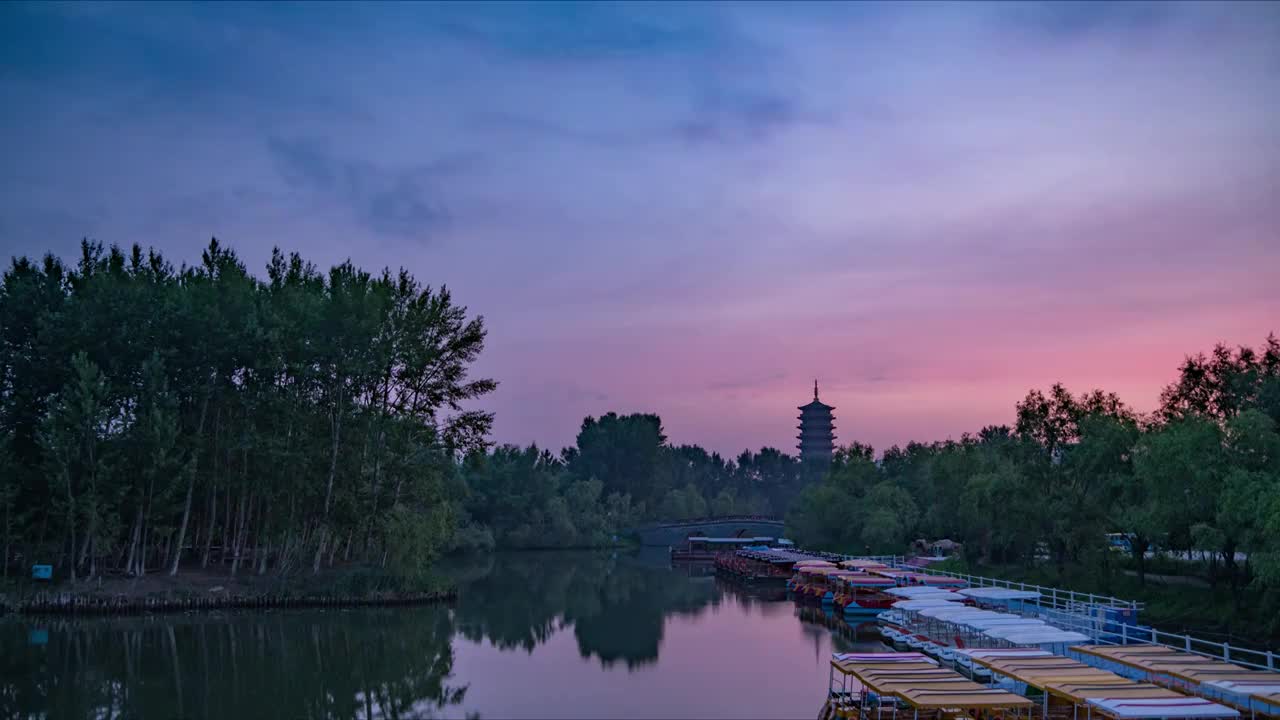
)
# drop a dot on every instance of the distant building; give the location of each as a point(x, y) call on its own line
point(817, 430)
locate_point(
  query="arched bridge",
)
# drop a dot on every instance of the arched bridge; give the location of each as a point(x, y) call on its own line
point(675, 533)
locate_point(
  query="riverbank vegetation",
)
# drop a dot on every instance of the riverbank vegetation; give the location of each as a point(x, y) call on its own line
point(621, 471)
point(1201, 474)
point(156, 418)
point(153, 415)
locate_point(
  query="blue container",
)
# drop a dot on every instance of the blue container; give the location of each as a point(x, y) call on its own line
point(41, 572)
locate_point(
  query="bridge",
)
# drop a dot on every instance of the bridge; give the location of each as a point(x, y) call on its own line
point(675, 533)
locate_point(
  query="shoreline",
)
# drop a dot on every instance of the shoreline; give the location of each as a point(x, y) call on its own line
point(203, 590)
point(67, 604)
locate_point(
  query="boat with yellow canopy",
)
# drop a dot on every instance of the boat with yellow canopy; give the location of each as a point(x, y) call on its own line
point(1254, 691)
point(882, 685)
point(1070, 688)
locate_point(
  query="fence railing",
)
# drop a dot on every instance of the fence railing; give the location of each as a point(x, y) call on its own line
point(1056, 598)
point(1085, 613)
point(1105, 633)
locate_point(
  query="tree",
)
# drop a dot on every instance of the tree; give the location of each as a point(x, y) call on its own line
point(1223, 383)
point(622, 452)
point(154, 415)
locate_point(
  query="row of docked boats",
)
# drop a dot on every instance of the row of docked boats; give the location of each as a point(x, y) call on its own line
point(1017, 683)
point(857, 585)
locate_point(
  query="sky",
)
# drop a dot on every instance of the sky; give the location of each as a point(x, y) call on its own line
point(697, 209)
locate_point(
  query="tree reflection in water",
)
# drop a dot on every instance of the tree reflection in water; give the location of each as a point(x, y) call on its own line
point(391, 663)
point(616, 605)
point(365, 663)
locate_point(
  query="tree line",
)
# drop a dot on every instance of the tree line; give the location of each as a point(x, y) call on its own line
point(1201, 473)
point(620, 471)
point(155, 418)
point(152, 416)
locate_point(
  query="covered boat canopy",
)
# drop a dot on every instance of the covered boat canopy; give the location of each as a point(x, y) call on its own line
point(955, 610)
point(821, 570)
point(862, 563)
point(994, 593)
point(1102, 692)
point(1020, 635)
point(922, 685)
point(924, 603)
point(883, 657)
point(1186, 707)
point(935, 580)
point(1004, 622)
point(1255, 690)
point(918, 591)
point(1006, 653)
point(858, 579)
point(814, 563)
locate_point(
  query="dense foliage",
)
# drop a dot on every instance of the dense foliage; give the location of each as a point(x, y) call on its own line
point(152, 415)
point(620, 471)
point(1202, 474)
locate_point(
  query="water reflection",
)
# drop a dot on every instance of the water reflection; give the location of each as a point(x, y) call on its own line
point(529, 632)
point(371, 663)
point(615, 605)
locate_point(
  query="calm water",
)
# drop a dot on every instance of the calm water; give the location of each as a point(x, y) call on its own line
point(546, 635)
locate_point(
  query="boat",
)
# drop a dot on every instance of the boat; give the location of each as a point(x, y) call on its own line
point(1069, 687)
point(1256, 692)
point(707, 549)
point(869, 686)
point(862, 593)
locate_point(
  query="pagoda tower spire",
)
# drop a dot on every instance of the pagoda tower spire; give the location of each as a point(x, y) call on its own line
point(817, 430)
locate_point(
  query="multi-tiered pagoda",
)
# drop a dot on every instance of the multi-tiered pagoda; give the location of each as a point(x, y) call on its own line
point(817, 430)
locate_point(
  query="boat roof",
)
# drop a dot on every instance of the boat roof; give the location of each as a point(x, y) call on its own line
point(1186, 707)
point(1254, 689)
point(1112, 695)
point(862, 563)
point(923, 685)
point(1162, 660)
point(1003, 622)
point(731, 541)
point(920, 591)
point(923, 603)
point(824, 570)
point(935, 580)
point(857, 579)
point(1021, 635)
point(944, 612)
point(780, 556)
point(814, 563)
point(883, 657)
point(994, 593)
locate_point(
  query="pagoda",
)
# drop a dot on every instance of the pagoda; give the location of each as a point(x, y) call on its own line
point(817, 430)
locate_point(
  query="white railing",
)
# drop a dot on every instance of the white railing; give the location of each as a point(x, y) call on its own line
point(1137, 634)
point(1056, 598)
point(1085, 613)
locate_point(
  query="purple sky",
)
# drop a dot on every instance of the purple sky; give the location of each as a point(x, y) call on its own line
point(695, 210)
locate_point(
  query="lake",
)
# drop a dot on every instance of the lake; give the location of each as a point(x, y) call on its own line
point(533, 635)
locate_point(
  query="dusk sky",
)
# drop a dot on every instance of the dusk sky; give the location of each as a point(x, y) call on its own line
point(695, 210)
